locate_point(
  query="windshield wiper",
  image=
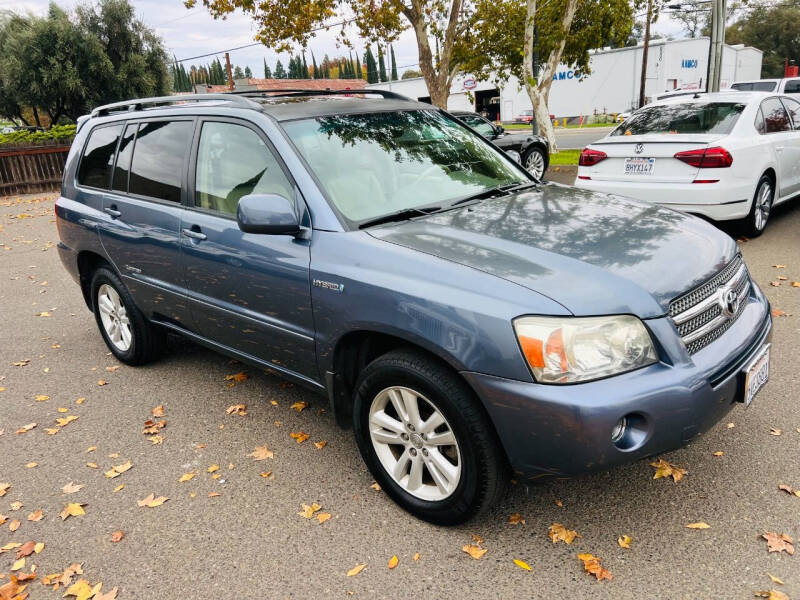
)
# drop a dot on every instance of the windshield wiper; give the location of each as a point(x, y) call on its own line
point(400, 215)
point(498, 190)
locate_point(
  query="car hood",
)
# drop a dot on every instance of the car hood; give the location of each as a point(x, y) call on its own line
point(592, 253)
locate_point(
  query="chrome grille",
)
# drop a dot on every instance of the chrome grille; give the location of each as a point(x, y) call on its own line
point(702, 315)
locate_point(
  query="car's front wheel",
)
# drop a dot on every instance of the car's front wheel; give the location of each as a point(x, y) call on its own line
point(535, 162)
point(756, 221)
point(125, 330)
point(426, 439)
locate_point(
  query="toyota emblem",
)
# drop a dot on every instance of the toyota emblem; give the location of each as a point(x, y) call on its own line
point(639, 148)
point(730, 302)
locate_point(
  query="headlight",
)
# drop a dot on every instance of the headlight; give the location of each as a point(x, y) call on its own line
point(575, 349)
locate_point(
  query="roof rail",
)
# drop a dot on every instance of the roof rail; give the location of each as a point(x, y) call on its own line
point(293, 92)
point(138, 104)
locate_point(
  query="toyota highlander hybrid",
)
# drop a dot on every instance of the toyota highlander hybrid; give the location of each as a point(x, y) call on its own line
point(468, 322)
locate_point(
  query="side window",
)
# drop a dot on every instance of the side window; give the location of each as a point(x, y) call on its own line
point(157, 164)
point(792, 87)
point(761, 127)
point(98, 157)
point(233, 161)
point(123, 166)
point(793, 107)
point(775, 116)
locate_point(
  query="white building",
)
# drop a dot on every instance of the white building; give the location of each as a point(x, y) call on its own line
point(612, 86)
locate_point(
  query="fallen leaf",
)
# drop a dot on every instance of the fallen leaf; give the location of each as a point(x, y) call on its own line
point(416, 557)
point(212, 468)
point(9, 546)
point(778, 543)
point(779, 266)
point(101, 382)
point(16, 505)
point(267, 475)
point(731, 425)
point(699, 525)
point(4, 487)
point(26, 549)
point(117, 536)
point(474, 551)
point(156, 440)
point(375, 486)
point(777, 312)
point(356, 570)
point(26, 428)
point(774, 283)
point(592, 565)
point(477, 539)
point(558, 532)
point(320, 445)
point(14, 525)
point(52, 430)
point(112, 368)
point(772, 595)
point(261, 453)
point(151, 427)
point(80, 400)
point(299, 406)
point(118, 470)
point(300, 436)
point(213, 494)
point(151, 501)
point(237, 409)
point(36, 516)
point(38, 547)
point(91, 465)
point(625, 541)
point(717, 453)
point(91, 449)
point(774, 579)
point(775, 431)
point(236, 377)
point(665, 469)
point(308, 511)
point(80, 589)
point(522, 564)
point(119, 487)
point(63, 422)
point(158, 411)
point(393, 562)
point(42, 398)
point(516, 519)
point(62, 409)
point(186, 477)
point(73, 509)
point(322, 517)
point(110, 595)
point(18, 564)
point(782, 278)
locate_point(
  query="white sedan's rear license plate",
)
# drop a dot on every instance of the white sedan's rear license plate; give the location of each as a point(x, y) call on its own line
point(640, 166)
point(756, 374)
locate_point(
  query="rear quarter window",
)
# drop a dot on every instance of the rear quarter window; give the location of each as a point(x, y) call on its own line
point(98, 157)
point(158, 159)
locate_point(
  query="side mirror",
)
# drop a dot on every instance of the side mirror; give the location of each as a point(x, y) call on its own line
point(267, 213)
point(499, 130)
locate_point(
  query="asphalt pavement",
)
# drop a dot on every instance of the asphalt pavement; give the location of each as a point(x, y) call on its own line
point(249, 541)
point(575, 137)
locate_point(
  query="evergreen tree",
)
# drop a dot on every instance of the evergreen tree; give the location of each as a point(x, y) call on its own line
point(305, 67)
point(247, 72)
point(394, 64)
point(326, 67)
point(372, 69)
point(237, 72)
point(280, 73)
point(267, 72)
point(314, 64)
point(381, 65)
point(359, 71)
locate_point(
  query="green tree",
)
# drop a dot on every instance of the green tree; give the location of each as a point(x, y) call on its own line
point(394, 64)
point(381, 65)
point(359, 70)
point(772, 29)
point(280, 73)
point(372, 67)
point(238, 73)
point(247, 72)
point(411, 74)
point(267, 72)
point(511, 34)
point(306, 74)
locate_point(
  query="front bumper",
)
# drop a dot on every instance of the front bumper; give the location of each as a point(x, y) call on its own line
point(565, 430)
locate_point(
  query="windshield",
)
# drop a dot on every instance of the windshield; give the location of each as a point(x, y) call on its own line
point(375, 164)
point(688, 117)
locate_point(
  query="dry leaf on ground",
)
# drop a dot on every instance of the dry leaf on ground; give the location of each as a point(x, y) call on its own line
point(699, 525)
point(73, 509)
point(151, 501)
point(261, 453)
point(393, 562)
point(665, 469)
point(299, 406)
point(71, 488)
point(117, 536)
point(516, 519)
point(308, 511)
point(236, 377)
point(158, 411)
point(237, 409)
point(522, 564)
point(558, 532)
point(779, 543)
point(771, 595)
point(186, 477)
point(300, 436)
point(474, 551)
point(356, 570)
point(592, 565)
point(36, 516)
point(625, 541)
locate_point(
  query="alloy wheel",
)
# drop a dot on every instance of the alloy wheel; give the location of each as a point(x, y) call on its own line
point(114, 317)
point(534, 163)
point(763, 206)
point(414, 443)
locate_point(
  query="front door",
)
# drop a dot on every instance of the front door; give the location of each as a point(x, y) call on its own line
point(249, 292)
point(143, 211)
point(792, 146)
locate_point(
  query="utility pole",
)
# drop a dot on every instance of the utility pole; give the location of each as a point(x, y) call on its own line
point(228, 68)
point(644, 52)
point(716, 44)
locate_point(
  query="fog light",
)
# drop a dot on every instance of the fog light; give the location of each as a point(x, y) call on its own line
point(619, 430)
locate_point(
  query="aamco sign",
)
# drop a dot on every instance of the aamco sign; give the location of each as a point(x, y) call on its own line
point(570, 74)
point(470, 83)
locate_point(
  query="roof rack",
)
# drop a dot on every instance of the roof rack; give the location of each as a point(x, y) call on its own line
point(294, 92)
point(139, 104)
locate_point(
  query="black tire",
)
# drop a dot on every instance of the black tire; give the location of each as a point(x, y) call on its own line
point(527, 156)
point(484, 468)
point(755, 222)
point(147, 340)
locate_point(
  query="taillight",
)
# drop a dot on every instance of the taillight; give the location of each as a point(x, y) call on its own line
point(706, 158)
point(590, 157)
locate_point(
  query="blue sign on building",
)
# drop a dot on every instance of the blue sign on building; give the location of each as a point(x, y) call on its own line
point(561, 75)
point(689, 63)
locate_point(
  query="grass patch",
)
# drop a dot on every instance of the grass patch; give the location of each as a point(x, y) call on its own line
point(524, 127)
point(565, 157)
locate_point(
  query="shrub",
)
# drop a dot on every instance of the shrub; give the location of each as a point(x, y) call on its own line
point(58, 132)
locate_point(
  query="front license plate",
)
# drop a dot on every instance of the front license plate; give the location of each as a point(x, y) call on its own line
point(640, 166)
point(756, 374)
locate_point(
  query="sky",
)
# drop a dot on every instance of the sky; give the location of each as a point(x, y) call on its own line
point(188, 33)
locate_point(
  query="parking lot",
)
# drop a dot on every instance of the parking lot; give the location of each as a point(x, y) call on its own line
point(232, 529)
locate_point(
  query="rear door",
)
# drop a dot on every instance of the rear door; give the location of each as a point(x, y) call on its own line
point(778, 131)
point(249, 292)
point(141, 231)
point(792, 147)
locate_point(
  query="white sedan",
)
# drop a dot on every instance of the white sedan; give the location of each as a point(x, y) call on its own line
point(726, 155)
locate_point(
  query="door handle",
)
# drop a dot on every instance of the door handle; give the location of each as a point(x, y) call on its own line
point(194, 233)
point(112, 210)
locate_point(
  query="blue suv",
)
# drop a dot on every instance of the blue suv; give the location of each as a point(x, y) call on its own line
point(467, 321)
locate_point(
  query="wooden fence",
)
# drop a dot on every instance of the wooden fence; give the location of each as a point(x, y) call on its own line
point(30, 168)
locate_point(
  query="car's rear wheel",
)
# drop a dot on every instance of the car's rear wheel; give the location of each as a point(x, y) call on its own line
point(426, 439)
point(535, 162)
point(126, 332)
point(756, 221)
